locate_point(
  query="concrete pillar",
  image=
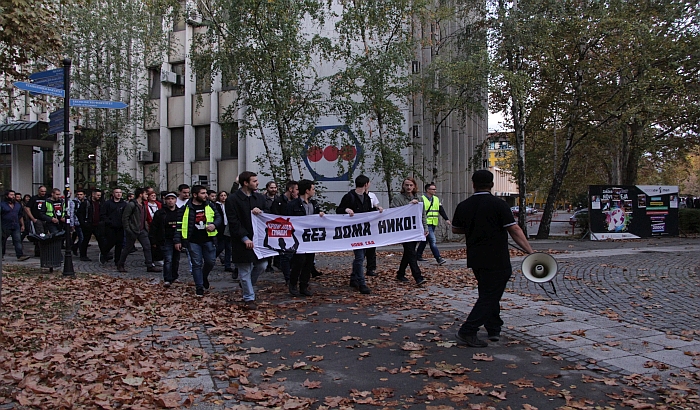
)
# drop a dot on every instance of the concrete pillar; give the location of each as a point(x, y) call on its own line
point(22, 172)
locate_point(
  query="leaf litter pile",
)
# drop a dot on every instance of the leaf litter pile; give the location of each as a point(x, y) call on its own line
point(103, 342)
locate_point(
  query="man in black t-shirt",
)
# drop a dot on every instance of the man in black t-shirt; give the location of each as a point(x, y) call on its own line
point(486, 222)
point(36, 211)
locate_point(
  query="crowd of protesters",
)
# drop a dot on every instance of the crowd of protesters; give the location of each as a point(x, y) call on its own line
point(204, 225)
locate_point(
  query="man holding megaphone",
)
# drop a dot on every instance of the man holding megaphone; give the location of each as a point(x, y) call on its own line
point(486, 222)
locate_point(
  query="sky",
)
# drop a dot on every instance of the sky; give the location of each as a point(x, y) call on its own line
point(495, 120)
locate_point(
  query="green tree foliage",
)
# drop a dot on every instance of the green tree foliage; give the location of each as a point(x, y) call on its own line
point(455, 80)
point(110, 42)
point(614, 81)
point(370, 93)
point(262, 44)
point(29, 33)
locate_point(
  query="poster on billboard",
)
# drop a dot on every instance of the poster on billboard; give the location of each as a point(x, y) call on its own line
point(632, 211)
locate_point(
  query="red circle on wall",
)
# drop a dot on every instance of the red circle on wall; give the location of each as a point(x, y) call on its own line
point(314, 154)
point(348, 153)
point(330, 153)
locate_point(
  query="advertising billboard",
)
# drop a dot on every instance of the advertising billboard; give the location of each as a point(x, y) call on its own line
point(632, 211)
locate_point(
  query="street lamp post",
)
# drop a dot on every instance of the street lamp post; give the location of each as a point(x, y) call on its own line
point(68, 259)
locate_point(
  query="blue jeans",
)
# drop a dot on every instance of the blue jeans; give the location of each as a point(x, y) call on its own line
point(248, 273)
point(171, 261)
point(16, 235)
point(431, 241)
point(202, 258)
point(223, 244)
point(358, 274)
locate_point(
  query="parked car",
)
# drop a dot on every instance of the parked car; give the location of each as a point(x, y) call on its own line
point(579, 217)
point(528, 210)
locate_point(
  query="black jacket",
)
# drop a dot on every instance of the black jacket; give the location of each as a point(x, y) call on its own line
point(279, 205)
point(240, 224)
point(86, 211)
point(218, 220)
point(296, 207)
point(352, 200)
point(111, 213)
point(165, 225)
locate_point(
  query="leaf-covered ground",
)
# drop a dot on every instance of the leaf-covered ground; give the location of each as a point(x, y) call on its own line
point(102, 342)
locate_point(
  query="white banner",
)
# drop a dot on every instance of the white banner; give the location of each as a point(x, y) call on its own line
point(314, 234)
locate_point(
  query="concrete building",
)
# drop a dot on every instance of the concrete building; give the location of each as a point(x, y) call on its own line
point(187, 140)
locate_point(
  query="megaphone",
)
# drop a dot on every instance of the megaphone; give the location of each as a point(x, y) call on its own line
point(539, 267)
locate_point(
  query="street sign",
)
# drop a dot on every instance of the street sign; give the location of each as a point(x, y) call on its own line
point(56, 119)
point(54, 82)
point(56, 72)
point(114, 105)
point(39, 89)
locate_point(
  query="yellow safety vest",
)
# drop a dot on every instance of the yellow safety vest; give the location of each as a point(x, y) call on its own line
point(49, 209)
point(432, 211)
point(208, 214)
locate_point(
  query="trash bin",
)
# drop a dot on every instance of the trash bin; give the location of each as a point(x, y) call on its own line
point(50, 249)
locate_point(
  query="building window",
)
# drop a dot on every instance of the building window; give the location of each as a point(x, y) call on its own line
point(202, 143)
point(179, 23)
point(229, 140)
point(154, 83)
point(153, 140)
point(228, 80)
point(203, 79)
point(177, 145)
point(179, 86)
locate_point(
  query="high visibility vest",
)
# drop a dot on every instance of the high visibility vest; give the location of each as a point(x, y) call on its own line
point(208, 214)
point(49, 209)
point(432, 210)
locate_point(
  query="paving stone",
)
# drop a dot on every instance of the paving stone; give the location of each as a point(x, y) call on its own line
point(571, 326)
point(566, 344)
point(632, 364)
point(674, 358)
point(600, 352)
point(668, 341)
point(543, 330)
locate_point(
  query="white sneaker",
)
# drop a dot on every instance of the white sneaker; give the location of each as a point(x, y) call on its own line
point(158, 263)
point(167, 284)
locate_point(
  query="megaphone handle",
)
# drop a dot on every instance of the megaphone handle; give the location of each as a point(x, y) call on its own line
point(545, 290)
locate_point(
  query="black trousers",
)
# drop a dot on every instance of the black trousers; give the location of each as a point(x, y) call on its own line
point(113, 238)
point(88, 231)
point(487, 309)
point(302, 265)
point(409, 259)
point(371, 255)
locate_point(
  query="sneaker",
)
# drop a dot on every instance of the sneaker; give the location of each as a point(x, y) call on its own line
point(421, 281)
point(22, 258)
point(158, 263)
point(199, 292)
point(494, 337)
point(305, 292)
point(121, 269)
point(371, 273)
point(354, 284)
point(421, 259)
point(471, 341)
point(154, 269)
point(234, 274)
point(103, 259)
point(293, 291)
point(206, 283)
point(85, 259)
point(441, 262)
point(402, 279)
point(167, 284)
point(365, 290)
point(250, 305)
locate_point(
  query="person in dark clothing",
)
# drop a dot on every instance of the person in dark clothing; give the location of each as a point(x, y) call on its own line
point(486, 222)
point(223, 238)
point(199, 222)
point(134, 218)
point(25, 218)
point(167, 221)
point(409, 196)
point(35, 211)
point(279, 207)
point(113, 228)
point(55, 212)
point(238, 211)
point(354, 202)
point(10, 211)
point(76, 227)
point(302, 263)
point(89, 214)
